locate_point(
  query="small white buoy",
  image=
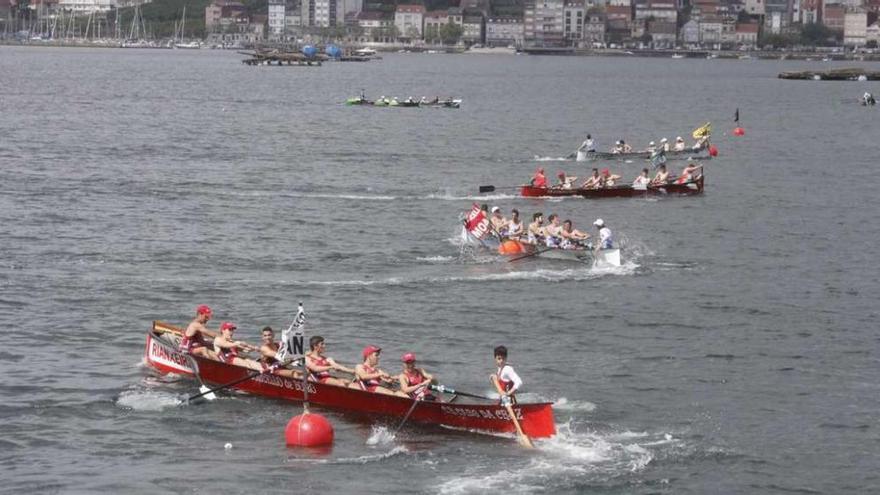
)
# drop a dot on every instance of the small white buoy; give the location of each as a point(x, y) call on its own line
point(228, 446)
point(817, 77)
point(863, 78)
point(667, 436)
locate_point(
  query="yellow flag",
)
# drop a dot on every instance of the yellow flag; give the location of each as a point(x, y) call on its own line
point(705, 130)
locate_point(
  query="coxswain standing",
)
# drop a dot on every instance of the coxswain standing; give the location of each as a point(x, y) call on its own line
point(594, 181)
point(539, 179)
point(227, 349)
point(320, 366)
point(369, 377)
point(536, 229)
point(414, 382)
point(606, 240)
point(586, 147)
point(269, 352)
point(505, 378)
point(194, 338)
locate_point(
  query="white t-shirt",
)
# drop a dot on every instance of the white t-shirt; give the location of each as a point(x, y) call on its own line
point(605, 240)
point(507, 374)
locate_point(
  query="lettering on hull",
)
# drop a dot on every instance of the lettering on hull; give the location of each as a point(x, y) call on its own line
point(480, 413)
point(284, 382)
point(170, 358)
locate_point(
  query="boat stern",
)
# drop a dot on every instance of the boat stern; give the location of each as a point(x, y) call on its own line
point(164, 357)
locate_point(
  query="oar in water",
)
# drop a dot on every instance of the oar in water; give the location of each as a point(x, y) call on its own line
point(523, 439)
point(535, 253)
point(408, 413)
point(253, 374)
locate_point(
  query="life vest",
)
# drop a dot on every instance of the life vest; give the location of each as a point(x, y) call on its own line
point(226, 355)
point(320, 375)
point(539, 180)
point(415, 378)
point(187, 344)
point(371, 384)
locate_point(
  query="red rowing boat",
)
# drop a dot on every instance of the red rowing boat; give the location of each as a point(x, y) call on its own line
point(161, 353)
point(623, 191)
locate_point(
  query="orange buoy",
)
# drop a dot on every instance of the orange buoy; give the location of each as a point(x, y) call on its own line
point(510, 247)
point(308, 430)
point(739, 131)
point(713, 151)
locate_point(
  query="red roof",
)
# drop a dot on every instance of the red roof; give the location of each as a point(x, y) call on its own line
point(411, 9)
point(748, 27)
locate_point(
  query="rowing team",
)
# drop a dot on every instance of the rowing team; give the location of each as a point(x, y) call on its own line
point(409, 100)
point(620, 146)
point(554, 234)
point(412, 382)
point(607, 179)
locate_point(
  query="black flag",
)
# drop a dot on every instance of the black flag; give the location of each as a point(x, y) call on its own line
point(736, 116)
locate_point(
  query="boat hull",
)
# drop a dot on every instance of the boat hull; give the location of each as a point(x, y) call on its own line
point(626, 191)
point(536, 419)
point(698, 154)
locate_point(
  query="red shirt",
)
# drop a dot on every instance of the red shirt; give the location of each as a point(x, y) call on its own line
point(539, 180)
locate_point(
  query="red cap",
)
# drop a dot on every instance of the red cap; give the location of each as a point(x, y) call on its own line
point(227, 326)
point(370, 349)
point(409, 357)
point(204, 309)
point(605, 171)
point(561, 174)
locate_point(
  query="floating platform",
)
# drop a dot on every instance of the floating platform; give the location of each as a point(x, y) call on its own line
point(848, 74)
point(276, 61)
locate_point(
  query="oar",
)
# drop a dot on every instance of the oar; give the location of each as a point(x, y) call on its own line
point(491, 188)
point(447, 390)
point(537, 252)
point(411, 409)
point(523, 439)
point(234, 382)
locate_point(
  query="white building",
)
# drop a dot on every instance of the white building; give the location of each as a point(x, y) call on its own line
point(86, 6)
point(322, 13)
point(276, 17)
point(754, 7)
point(543, 23)
point(855, 28)
point(573, 20)
point(408, 19)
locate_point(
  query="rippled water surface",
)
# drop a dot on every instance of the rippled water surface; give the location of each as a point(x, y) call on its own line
point(735, 351)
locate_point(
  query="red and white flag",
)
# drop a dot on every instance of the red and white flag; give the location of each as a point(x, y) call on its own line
point(476, 223)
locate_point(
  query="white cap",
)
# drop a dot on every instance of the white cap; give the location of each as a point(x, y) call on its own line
point(651, 143)
point(599, 222)
point(663, 140)
point(679, 138)
point(495, 208)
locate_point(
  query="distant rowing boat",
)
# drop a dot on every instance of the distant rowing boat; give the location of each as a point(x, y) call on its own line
point(623, 191)
point(646, 155)
point(456, 103)
point(512, 247)
point(162, 355)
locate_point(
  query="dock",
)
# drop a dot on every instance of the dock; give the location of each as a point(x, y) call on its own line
point(847, 74)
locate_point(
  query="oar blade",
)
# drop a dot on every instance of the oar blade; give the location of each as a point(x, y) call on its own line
point(485, 189)
point(207, 394)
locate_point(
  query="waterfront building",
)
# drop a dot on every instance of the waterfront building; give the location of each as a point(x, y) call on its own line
point(833, 16)
point(322, 13)
point(573, 20)
point(872, 33)
point(620, 3)
point(754, 7)
point(594, 27)
point(690, 34)
point(855, 28)
point(711, 27)
point(747, 34)
point(810, 11)
point(663, 10)
point(375, 27)
point(434, 20)
point(542, 23)
point(224, 14)
point(504, 31)
point(276, 18)
point(292, 21)
point(663, 33)
point(472, 29)
point(455, 15)
point(82, 6)
point(408, 19)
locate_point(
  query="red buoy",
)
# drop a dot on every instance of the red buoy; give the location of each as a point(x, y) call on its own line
point(510, 247)
point(713, 151)
point(308, 430)
point(739, 131)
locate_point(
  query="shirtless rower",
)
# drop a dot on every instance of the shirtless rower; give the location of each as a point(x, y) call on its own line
point(227, 349)
point(641, 182)
point(499, 223)
point(515, 225)
point(505, 378)
point(594, 181)
point(571, 236)
point(552, 231)
point(414, 382)
point(625, 148)
point(536, 229)
point(661, 178)
point(679, 144)
point(268, 354)
point(609, 179)
point(689, 174)
point(369, 377)
point(194, 338)
point(320, 365)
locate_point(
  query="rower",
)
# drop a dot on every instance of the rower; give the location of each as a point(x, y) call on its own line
point(515, 225)
point(571, 236)
point(625, 148)
point(536, 229)
point(268, 354)
point(661, 177)
point(664, 144)
point(552, 231)
point(539, 180)
point(369, 377)
point(641, 182)
point(689, 173)
point(505, 378)
point(414, 382)
point(594, 181)
point(193, 340)
point(609, 179)
point(618, 147)
point(679, 144)
point(651, 147)
point(701, 143)
point(606, 240)
point(227, 349)
point(564, 181)
point(499, 223)
point(320, 366)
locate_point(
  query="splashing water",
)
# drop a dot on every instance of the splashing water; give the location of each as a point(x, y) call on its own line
point(146, 400)
point(380, 436)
